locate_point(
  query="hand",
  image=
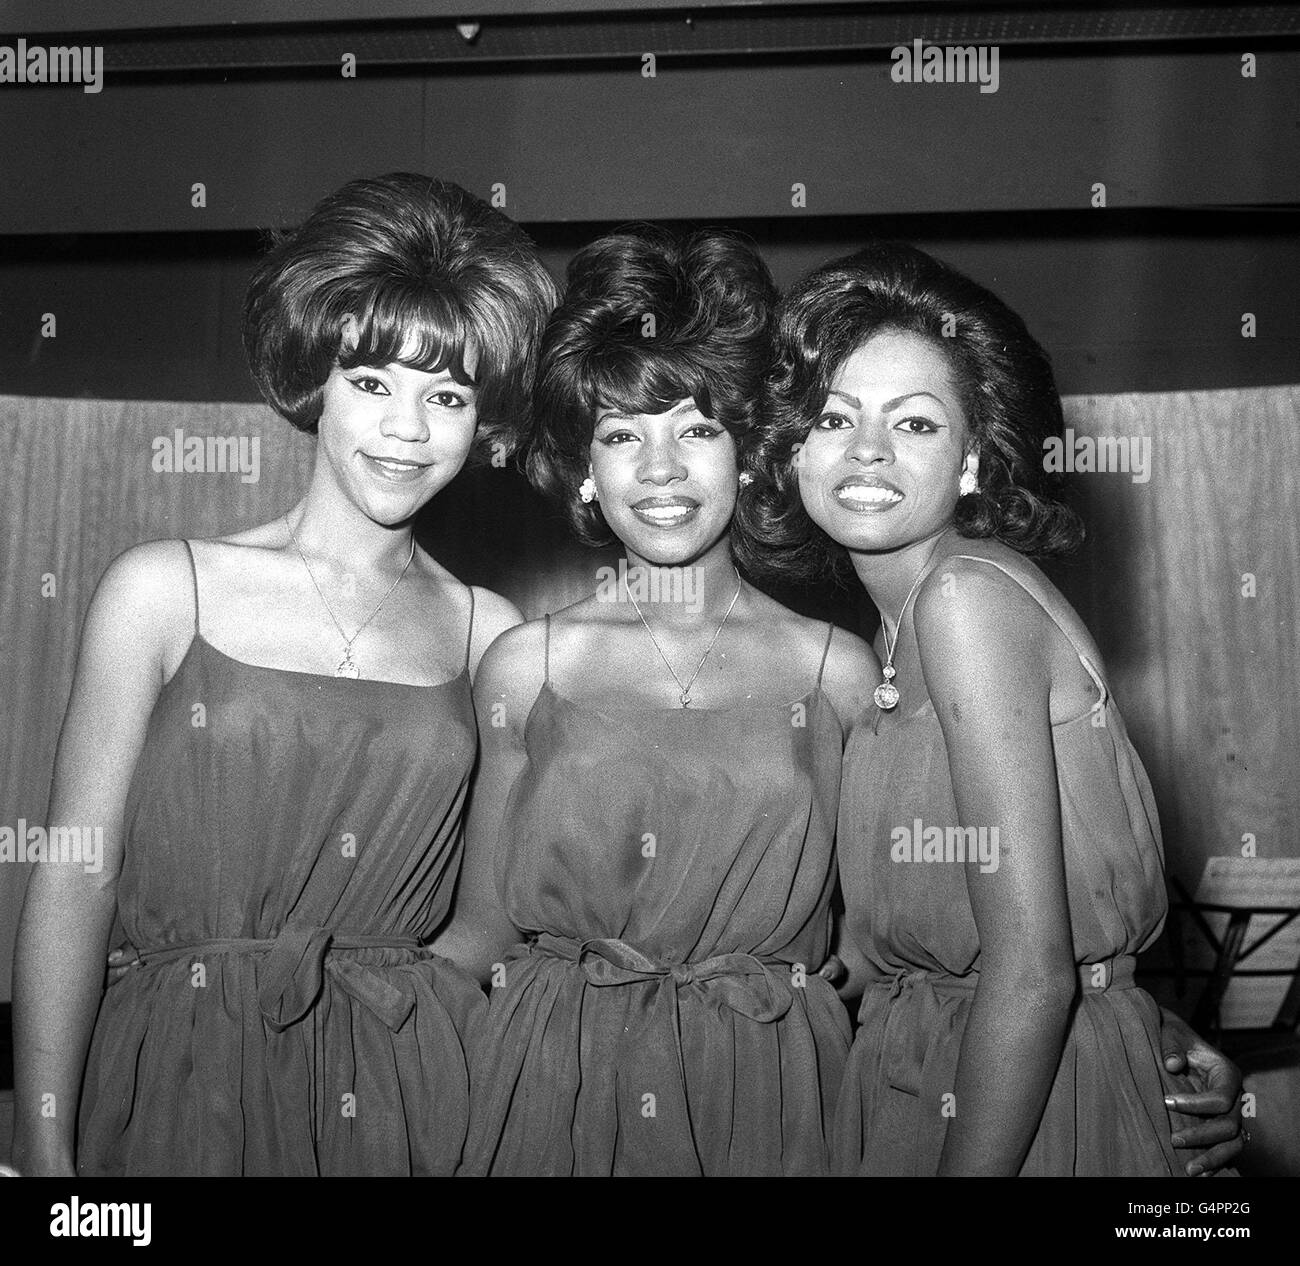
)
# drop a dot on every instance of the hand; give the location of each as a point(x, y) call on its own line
point(120, 961)
point(833, 970)
point(1216, 1097)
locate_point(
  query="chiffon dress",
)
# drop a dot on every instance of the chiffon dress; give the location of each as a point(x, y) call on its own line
point(672, 869)
point(290, 837)
point(912, 919)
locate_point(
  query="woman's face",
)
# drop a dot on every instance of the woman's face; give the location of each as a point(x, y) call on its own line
point(666, 481)
point(879, 469)
point(394, 436)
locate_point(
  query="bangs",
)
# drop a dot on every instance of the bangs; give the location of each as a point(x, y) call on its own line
point(421, 327)
point(631, 381)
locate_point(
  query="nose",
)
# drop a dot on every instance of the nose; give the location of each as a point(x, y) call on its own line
point(871, 445)
point(404, 419)
point(661, 462)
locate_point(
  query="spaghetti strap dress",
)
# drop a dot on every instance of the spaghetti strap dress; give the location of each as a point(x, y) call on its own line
point(289, 837)
point(672, 870)
point(1105, 1114)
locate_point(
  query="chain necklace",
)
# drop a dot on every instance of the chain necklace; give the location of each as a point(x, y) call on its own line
point(886, 694)
point(347, 665)
point(684, 694)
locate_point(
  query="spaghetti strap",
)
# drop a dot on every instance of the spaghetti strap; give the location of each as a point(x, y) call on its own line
point(194, 580)
point(1087, 663)
point(469, 633)
point(547, 652)
point(826, 650)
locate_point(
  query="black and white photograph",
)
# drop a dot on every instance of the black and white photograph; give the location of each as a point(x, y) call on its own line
point(641, 590)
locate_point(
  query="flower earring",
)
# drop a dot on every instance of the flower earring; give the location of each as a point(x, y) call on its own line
point(966, 484)
point(587, 491)
point(744, 479)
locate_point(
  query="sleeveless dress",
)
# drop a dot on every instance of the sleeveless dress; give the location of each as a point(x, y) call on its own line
point(673, 869)
point(912, 919)
point(289, 838)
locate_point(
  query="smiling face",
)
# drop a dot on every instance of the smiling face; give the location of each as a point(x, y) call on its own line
point(880, 467)
point(394, 436)
point(666, 481)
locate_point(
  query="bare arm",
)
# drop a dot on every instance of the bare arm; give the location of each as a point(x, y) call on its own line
point(69, 905)
point(983, 657)
point(508, 678)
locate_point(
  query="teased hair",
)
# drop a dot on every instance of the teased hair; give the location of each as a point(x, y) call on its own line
point(648, 319)
point(1002, 375)
point(428, 272)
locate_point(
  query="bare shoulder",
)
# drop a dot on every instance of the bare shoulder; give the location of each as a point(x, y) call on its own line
point(153, 580)
point(513, 667)
point(145, 602)
point(986, 590)
point(493, 616)
point(852, 673)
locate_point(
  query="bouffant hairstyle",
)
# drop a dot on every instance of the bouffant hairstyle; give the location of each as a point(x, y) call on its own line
point(1002, 376)
point(648, 319)
point(428, 272)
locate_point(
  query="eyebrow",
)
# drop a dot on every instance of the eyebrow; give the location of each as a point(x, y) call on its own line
point(617, 415)
point(889, 404)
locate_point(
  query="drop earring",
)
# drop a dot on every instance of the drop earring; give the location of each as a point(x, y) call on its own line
point(966, 484)
point(587, 491)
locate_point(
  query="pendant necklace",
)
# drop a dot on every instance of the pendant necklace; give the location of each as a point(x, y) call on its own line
point(347, 665)
point(886, 694)
point(684, 692)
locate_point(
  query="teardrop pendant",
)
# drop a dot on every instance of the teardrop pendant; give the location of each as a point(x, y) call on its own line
point(346, 666)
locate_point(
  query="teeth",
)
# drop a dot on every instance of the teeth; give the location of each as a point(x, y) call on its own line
point(869, 494)
point(392, 465)
point(665, 514)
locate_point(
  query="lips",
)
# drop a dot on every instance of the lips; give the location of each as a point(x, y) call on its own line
point(395, 469)
point(861, 493)
point(666, 512)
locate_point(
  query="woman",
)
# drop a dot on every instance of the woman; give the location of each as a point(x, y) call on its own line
point(276, 729)
point(655, 807)
point(998, 844)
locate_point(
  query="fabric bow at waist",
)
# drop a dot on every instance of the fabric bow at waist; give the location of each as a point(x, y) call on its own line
point(296, 964)
point(651, 1059)
point(742, 982)
point(919, 1023)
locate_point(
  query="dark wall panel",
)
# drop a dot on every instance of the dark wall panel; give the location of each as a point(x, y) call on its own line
point(718, 140)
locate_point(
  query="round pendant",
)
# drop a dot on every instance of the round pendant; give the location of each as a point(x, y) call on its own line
point(886, 696)
point(347, 668)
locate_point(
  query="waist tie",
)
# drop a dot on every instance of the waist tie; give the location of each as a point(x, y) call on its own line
point(741, 982)
point(295, 968)
point(1110, 973)
point(919, 1044)
point(651, 1059)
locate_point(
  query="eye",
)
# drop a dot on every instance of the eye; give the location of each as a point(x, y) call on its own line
point(831, 422)
point(704, 430)
point(369, 384)
point(917, 425)
point(612, 439)
point(448, 400)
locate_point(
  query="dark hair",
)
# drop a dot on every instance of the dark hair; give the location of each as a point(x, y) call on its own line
point(426, 270)
point(1002, 375)
point(648, 319)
